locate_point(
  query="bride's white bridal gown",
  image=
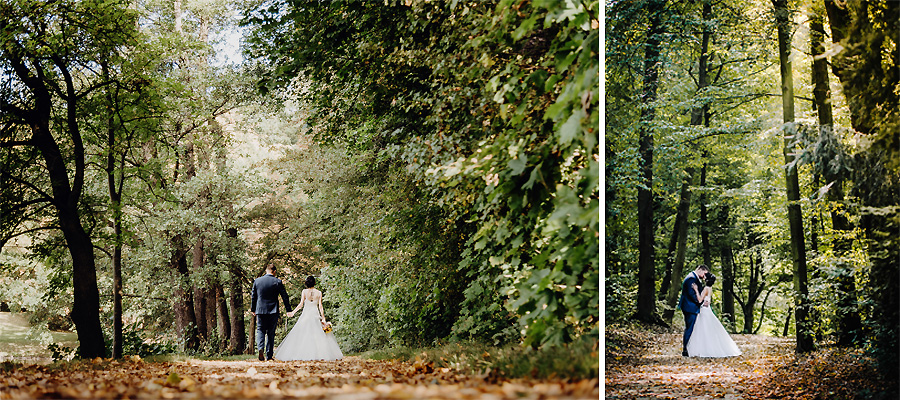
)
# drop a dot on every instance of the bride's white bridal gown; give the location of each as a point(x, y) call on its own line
point(307, 340)
point(710, 339)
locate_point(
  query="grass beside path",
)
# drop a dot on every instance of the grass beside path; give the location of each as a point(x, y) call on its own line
point(577, 361)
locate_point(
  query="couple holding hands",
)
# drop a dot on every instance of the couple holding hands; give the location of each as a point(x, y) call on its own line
point(310, 338)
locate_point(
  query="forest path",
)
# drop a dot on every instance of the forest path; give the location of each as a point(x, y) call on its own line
point(651, 367)
point(349, 378)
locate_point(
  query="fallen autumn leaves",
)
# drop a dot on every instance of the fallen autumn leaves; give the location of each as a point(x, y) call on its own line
point(350, 378)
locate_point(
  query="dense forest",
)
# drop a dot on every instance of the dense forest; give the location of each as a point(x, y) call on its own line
point(435, 164)
point(760, 138)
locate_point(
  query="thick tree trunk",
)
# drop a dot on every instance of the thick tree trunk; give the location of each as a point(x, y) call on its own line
point(646, 297)
point(849, 322)
point(211, 305)
point(86, 306)
point(805, 341)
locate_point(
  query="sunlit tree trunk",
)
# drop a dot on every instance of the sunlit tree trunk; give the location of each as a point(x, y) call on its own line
point(805, 341)
point(849, 323)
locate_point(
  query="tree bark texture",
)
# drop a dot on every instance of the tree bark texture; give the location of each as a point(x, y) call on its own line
point(66, 193)
point(646, 298)
point(805, 342)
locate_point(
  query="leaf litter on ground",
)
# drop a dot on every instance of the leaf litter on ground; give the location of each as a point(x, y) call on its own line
point(646, 363)
point(349, 378)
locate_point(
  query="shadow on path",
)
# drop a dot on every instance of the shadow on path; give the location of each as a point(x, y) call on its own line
point(658, 371)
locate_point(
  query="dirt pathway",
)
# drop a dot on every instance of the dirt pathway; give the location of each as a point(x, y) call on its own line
point(350, 378)
point(658, 371)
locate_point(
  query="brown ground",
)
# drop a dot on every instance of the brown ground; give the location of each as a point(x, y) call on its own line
point(350, 378)
point(643, 365)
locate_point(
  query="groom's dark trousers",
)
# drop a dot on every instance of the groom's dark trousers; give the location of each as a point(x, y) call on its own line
point(690, 306)
point(264, 302)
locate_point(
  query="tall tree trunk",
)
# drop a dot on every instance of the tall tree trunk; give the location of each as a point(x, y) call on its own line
point(705, 247)
point(200, 297)
point(805, 341)
point(223, 322)
point(238, 342)
point(86, 303)
point(211, 309)
point(727, 258)
point(646, 297)
point(727, 286)
point(680, 232)
point(115, 204)
point(849, 322)
point(183, 302)
point(700, 115)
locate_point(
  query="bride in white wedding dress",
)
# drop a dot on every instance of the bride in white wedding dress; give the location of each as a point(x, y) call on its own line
point(710, 339)
point(308, 340)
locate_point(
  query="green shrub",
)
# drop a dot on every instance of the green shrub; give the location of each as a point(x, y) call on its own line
point(576, 360)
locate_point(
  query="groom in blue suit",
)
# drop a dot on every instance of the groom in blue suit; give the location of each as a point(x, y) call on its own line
point(689, 303)
point(264, 306)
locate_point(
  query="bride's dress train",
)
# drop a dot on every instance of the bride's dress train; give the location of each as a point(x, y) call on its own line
point(710, 339)
point(307, 340)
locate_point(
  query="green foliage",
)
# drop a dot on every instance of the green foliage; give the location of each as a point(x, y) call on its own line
point(134, 344)
point(385, 257)
point(60, 353)
point(577, 360)
point(491, 111)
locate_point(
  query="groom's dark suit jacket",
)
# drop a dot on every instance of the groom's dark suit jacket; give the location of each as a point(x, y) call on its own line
point(264, 296)
point(689, 302)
